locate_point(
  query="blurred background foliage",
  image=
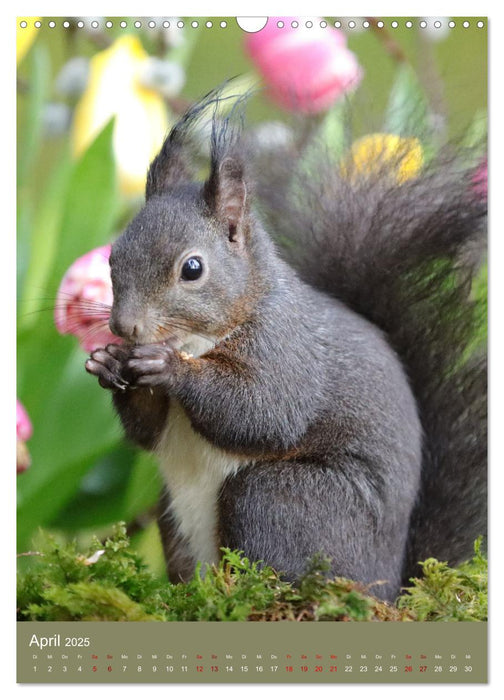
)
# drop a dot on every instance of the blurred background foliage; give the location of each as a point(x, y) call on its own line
point(83, 477)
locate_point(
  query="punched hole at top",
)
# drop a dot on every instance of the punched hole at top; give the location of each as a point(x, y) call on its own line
point(251, 24)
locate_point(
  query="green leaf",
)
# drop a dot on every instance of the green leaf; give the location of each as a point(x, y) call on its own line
point(333, 130)
point(73, 420)
point(45, 228)
point(325, 135)
point(144, 486)
point(38, 89)
point(24, 223)
point(40, 506)
point(73, 425)
point(475, 140)
point(407, 110)
point(91, 205)
point(122, 485)
point(72, 416)
point(100, 499)
point(476, 134)
point(147, 543)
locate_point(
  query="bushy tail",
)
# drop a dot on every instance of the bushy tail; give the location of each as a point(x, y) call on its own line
point(406, 252)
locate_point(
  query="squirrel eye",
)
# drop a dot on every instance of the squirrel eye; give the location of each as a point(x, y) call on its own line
point(192, 269)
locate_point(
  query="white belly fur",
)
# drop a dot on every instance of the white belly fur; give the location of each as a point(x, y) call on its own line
point(194, 470)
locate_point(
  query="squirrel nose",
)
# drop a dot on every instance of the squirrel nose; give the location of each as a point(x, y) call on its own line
point(129, 329)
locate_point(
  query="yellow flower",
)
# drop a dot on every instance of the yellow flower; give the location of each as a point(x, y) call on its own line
point(25, 36)
point(388, 153)
point(141, 122)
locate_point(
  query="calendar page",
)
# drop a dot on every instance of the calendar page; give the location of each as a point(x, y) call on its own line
point(251, 351)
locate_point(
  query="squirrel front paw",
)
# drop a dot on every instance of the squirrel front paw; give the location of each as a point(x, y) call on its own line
point(149, 365)
point(108, 365)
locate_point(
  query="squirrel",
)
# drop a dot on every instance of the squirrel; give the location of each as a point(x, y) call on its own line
point(317, 398)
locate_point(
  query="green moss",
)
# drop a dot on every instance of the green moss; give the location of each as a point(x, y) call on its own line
point(450, 594)
point(110, 582)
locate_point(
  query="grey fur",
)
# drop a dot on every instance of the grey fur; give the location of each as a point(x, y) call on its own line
point(316, 379)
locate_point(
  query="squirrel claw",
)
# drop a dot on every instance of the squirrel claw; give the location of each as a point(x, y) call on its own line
point(108, 373)
point(121, 385)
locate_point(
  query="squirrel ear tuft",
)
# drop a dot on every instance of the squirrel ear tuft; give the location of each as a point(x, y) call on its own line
point(225, 193)
point(174, 163)
point(170, 167)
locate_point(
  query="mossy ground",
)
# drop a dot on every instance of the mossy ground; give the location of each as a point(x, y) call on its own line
point(110, 582)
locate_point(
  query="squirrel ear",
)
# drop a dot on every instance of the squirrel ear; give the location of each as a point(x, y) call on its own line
point(225, 193)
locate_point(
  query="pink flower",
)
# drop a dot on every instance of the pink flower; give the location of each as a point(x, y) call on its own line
point(84, 300)
point(307, 69)
point(24, 428)
point(24, 432)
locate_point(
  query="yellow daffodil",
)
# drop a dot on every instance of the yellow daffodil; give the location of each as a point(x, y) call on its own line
point(375, 153)
point(25, 36)
point(141, 122)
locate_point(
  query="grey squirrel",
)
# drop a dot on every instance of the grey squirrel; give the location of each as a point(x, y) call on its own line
point(314, 400)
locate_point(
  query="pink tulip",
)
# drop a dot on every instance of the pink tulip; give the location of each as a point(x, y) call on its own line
point(24, 432)
point(24, 428)
point(84, 300)
point(307, 69)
